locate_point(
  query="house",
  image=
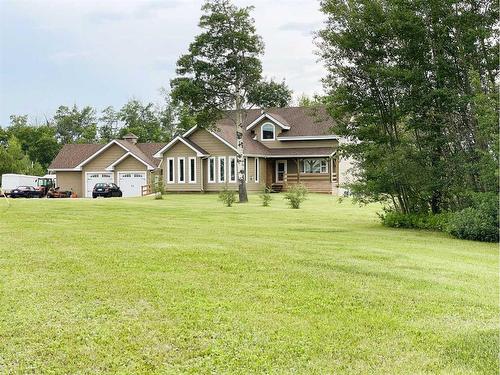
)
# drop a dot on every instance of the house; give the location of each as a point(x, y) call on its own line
point(131, 165)
point(282, 147)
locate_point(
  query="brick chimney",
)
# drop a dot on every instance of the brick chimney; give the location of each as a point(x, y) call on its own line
point(132, 138)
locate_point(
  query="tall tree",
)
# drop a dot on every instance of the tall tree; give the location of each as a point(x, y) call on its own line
point(75, 126)
point(411, 83)
point(108, 124)
point(222, 71)
point(142, 120)
point(37, 141)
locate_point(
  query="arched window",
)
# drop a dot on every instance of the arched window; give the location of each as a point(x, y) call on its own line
point(267, 132)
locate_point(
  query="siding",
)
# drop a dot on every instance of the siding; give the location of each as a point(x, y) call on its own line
point(131, 164)
point(210, 144)
point(252, 186)
point(101, 162)
point(291, 144)
point(70, 181)
point(180, 150)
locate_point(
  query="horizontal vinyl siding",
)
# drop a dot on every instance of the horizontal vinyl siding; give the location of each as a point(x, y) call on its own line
point(101, 162)
point(210, 144)
point(70, 181)
point(291, 144)
point(180, 150)
point(130, 164)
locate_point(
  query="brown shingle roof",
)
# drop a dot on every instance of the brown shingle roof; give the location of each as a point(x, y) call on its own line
point(73, 154)
point(149, 149)
point(303, 121)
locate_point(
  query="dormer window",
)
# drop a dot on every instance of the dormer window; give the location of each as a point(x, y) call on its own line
point(267, 132)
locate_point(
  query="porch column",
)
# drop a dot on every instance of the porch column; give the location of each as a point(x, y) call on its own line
point(298, 170)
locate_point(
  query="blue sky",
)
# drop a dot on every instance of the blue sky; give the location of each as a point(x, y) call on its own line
point(100, 53)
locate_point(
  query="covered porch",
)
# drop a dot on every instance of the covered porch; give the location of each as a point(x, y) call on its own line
point(317, 174)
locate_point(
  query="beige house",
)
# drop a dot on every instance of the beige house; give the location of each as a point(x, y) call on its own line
point(282, 146)
point(130, 165)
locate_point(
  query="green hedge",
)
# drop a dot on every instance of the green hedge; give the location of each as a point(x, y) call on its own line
point(478, 222)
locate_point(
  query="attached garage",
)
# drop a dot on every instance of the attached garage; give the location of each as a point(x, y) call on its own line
point(93, 178)
point(131, 183)
point(128, 164)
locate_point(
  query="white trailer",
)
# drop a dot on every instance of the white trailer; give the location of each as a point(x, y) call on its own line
point(11, 181)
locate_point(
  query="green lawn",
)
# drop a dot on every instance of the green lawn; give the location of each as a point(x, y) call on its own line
point(185, 285)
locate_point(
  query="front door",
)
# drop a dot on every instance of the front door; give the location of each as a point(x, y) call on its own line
point(280, 170)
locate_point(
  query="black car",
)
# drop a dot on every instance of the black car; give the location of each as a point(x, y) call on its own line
point(25, 192)
point(106, 190)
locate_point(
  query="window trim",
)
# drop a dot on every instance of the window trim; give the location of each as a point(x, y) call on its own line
point(219, 159)
point(262, 132)
point(210, 160)
point(168, 171)
point(190, 159)
point(256, 169)
point(233, 158)
point(321, 160)
point(183, 170)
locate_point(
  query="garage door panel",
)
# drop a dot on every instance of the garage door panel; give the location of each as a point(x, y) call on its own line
point(97, 178)
point(131, 183)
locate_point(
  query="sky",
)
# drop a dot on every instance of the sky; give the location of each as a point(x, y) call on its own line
point(101, 53)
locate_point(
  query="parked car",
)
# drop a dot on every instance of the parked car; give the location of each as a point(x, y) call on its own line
point(106, 190)
point(25, 192)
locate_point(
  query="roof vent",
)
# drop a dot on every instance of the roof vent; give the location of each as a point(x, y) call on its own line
point(130, 137)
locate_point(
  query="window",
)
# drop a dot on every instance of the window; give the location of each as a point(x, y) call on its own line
point(181, 167)
point(170, 171)
point(267, 131)
point(314, 166)
point(192, 170)
point(232, 169)
point(211, 170)
point(222, 169)
point(257, 169)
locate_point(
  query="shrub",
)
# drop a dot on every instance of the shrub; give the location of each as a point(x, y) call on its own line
point(228, 197)
point(395, 219)
point(479, 222)
point(266, 197)
point(159, 189)
point(295, 195)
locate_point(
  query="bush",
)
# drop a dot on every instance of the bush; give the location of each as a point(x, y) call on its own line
point(159, 190)
point(228, 197)
point(395, 219)
point(266, 197)
point(295, 195)
point(479, 222)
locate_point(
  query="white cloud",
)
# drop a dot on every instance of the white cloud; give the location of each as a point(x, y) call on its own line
point(129, 47)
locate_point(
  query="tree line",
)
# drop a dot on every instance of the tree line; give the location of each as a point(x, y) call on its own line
point(413, 85)
point(28, 148)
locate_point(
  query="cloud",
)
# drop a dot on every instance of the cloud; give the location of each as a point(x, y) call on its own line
point(64, 56)
point(305, 28)
point(100, 17)
point(153, 8)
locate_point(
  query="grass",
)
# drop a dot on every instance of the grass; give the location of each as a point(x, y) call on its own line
point(185, 285)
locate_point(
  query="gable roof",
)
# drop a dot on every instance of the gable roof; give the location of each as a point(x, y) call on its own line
point(274, 117)
point(193, 146)
point(72, 156)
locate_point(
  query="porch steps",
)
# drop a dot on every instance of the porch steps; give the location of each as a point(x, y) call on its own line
point(276, 188)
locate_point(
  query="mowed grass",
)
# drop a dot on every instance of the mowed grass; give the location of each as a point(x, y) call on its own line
point(185, 285)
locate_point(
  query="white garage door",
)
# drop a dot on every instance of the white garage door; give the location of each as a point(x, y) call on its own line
point(131, 183)
point(97, 178)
